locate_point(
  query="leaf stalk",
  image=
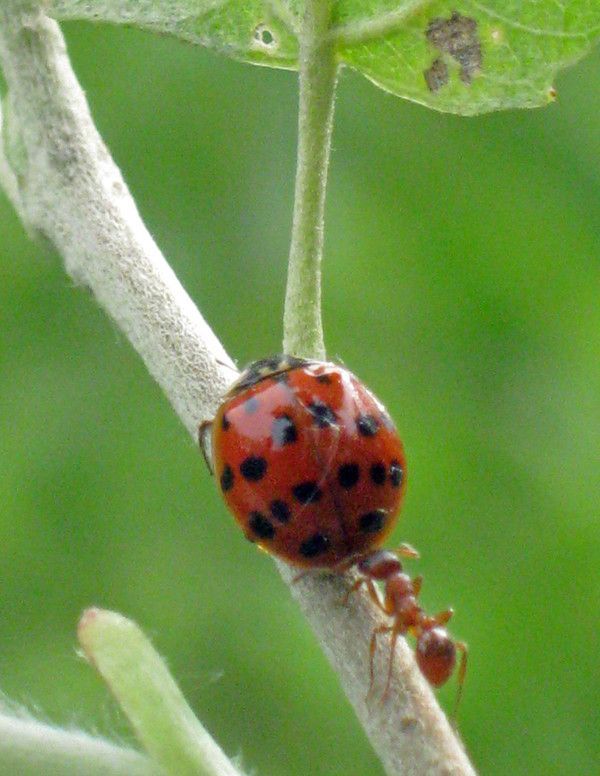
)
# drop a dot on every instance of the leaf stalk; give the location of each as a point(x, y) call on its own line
point(302, 323)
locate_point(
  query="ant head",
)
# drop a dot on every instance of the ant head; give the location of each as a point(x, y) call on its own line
point(436, 655)
point(380, 564)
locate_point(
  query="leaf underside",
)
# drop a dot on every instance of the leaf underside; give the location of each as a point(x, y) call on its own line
point(459, 56)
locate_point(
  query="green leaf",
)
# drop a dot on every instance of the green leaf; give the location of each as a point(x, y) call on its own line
point(460, 56)
point(255, 31)
point(470, 57)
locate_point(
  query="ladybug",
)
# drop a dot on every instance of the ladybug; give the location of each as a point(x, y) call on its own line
point(308, 461)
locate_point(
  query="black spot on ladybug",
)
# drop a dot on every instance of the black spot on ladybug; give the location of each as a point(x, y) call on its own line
point(325, 379)
point(367, 425)
point(251, 405)
point(378, 473)
point(348, 475)
point(280, 511)
point(225, 423)
point(227, 478)
point(307, 492)
point(316, 545)
point(262, 527)
point(282, 377)
point(323, 415)
point(253, 468)
point(396, 474)
point(283, 431)
point(372, 522)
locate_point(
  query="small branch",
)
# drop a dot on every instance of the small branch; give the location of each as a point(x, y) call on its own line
point(153, 703)
point(71, 191)
point(30, 748)
point(409, 732)
point(378, 26)
point(303, 328)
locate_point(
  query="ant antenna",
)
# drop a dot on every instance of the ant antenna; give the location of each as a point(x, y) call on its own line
point(462, 670)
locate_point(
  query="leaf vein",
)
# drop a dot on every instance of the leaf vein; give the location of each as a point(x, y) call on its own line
point(362, 30)
point(533, 30)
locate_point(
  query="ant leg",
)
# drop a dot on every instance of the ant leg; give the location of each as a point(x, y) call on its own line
point(417, 584)
point(371, 590)
point(355, 587)
point(372, 648)
point(407, 551)
point(462, 671)
point(374, 595)
point(441, 618)
point(204, 441)
point(388, 681)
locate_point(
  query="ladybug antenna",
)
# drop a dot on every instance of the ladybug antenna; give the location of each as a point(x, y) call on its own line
point(204, 432)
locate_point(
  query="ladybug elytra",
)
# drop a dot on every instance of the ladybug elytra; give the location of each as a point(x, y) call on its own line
point(308, 461)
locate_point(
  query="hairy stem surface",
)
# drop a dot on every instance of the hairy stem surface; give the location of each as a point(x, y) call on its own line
point(303, 328)
point(31, 748)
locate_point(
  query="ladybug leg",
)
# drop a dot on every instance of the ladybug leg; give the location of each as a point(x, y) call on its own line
point(462, 671)
point(204, 432)
point(372, 649)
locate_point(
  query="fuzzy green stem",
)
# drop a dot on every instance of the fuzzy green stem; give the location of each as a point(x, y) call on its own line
point(302, 325)
point(31, 748)
point(138, 678)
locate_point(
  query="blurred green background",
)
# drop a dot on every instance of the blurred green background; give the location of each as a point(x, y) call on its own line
point(462, 281)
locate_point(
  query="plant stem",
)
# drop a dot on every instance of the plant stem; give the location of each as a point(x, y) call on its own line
point(147, 693)
point(68, 189)
point(29, 748)
point(302, 325)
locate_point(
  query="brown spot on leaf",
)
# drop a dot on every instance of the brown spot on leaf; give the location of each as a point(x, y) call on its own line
point(436, 76)
point(457, 36)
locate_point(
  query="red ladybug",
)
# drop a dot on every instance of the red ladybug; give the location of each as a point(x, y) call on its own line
point(308, 461)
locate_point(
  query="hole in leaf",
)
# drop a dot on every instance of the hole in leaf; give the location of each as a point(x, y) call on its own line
point(264, 38)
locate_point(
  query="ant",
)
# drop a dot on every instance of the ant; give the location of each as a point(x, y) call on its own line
point(435, 651)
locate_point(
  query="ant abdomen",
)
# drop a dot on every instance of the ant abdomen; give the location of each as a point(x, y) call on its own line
point(436, 655)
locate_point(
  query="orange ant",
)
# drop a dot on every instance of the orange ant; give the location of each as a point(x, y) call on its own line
point(435, 650)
